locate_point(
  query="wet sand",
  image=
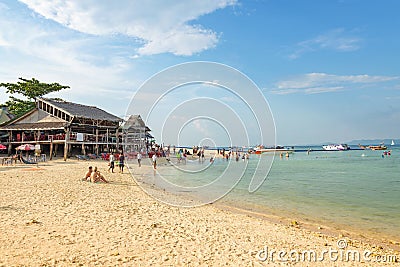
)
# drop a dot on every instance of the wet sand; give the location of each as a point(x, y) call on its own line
point(49, 217)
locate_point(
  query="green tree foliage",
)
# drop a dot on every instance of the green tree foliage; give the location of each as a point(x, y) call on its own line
point(19, 107)
point(30, 89)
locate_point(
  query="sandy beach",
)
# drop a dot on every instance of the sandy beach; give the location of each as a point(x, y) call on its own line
point(49, 217)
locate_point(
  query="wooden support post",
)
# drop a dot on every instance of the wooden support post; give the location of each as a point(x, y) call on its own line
point(9, 142)
point(117, 135)
point(66, 144)
point(107, 139)
point(83, 149)
point(97, 141)
point(65, 150)
point(51, 149)
point(143, 138)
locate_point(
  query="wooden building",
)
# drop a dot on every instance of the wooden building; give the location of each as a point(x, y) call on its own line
point(135, 135)
point(60, 126)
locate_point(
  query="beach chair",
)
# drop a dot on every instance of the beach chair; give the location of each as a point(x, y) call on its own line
point(27, 161)
point(82, 157)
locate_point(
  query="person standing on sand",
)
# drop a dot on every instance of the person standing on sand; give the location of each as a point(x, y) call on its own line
point(111, 159)
point(154, 158)
point(139, 159)
point(121, 163)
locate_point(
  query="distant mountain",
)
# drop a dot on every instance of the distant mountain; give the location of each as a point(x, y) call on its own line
point(373, 141)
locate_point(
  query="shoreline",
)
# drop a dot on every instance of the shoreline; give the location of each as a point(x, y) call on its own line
point(313, 224)
point(49, 217)
point(317, 227)
point(316, 224)
point(309, 221)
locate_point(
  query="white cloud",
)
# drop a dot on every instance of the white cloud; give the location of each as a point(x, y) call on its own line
point(159, 26)
point(313, 83)
point(91, 65)
point(39, 50)
point(201, 127)
point(283, 91)
point(3, 42)
point(319, 90)
point(397, 98)
point(337, 40)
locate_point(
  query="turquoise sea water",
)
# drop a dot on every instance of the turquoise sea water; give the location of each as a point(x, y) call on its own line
point(356, 189)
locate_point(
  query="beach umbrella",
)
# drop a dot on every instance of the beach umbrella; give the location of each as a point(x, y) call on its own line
point(2, 147)
point(26, 147)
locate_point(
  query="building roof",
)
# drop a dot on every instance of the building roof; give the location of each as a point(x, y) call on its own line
point(133, 121)
point(4, 115)
point(82, 111)
point(51, 118)
point(35, 126)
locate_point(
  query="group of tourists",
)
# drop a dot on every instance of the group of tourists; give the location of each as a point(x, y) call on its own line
point(94, 175)
point(386, 153)
point(116, 159)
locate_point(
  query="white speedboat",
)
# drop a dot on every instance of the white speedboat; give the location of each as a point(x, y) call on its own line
point(336, 147)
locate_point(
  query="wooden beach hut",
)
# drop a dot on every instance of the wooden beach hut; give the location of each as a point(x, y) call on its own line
point(135, 134)
point(60, 125)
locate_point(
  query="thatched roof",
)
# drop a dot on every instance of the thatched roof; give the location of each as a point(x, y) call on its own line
point(5, 115)
point(133, 121)
point(51, 114)
point(35, 126)
point(81, 111)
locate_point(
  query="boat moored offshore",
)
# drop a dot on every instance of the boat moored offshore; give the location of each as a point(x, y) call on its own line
point(336, 147)
point(380, 147)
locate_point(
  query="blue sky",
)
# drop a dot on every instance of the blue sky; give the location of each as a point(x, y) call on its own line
point(328, 69)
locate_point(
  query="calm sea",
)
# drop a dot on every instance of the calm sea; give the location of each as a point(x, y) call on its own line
point(355, 190)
